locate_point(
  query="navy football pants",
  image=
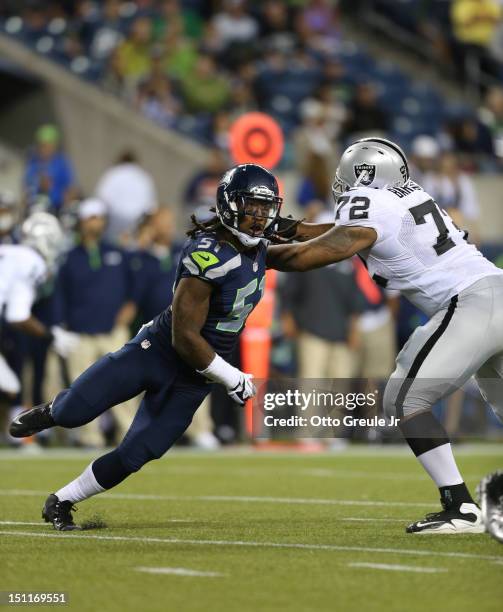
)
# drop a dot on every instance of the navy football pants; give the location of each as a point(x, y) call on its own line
point(170, 401)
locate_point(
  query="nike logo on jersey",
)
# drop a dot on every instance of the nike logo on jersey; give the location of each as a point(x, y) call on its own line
point(204, 259)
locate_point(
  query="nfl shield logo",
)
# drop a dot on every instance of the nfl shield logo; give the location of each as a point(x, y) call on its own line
point(370, 170)
point(145, 344)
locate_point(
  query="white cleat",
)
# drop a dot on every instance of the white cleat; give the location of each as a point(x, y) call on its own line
point(466, 518)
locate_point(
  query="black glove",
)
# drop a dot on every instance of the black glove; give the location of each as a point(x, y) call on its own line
point(284, 229)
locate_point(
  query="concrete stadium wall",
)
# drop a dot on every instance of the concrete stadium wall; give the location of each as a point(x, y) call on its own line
point(97, 127)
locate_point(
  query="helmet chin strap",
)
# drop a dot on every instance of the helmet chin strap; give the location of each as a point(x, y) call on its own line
point(245, 239)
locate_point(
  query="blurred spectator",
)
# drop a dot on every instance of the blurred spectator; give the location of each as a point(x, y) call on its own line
point(154, 266)
point(425, 151)
point(317, 134)
point(453, 190)
point(365, 114)
point(320, 310)
point(49, 174)
point(235, 31)
point(491, 115)
point(201, 189)
point(175, 18)
point(178, 54)
point(474, 24)
point(204, 89)
point(94, 292)
point(129, 193)
point(276, 23)
point(472, 140)
point(221, 124)
point(107, 36)
point(335, 88)
point(134, 53)
point(114, 80)
point(314, 188)
point(318, 25)
point(156, 100)
point(377, 348)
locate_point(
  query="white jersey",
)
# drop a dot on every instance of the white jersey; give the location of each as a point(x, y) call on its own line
point(419, 251)
point(22, 269)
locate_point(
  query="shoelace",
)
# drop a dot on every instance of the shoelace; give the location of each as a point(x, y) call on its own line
point(64, 509)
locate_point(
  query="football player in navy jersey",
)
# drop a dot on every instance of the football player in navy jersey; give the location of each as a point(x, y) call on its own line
point(219, 280)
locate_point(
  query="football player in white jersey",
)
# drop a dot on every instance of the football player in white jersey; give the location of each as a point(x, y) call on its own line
point(23, 267)
point(409, 244)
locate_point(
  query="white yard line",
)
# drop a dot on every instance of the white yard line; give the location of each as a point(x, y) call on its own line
point(243, 543)
point(178, 571)
point(234, 498)
point(372, 520)
point(399, 568)
point(399, 451)
point(39, 524)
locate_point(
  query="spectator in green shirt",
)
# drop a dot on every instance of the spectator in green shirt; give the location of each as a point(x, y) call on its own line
point(204, 89)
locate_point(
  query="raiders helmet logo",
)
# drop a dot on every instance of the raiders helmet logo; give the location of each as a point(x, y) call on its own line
point(370, 169)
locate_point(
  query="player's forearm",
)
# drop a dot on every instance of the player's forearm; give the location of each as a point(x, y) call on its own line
point(193, 348)
point(329, 248)
point(307, 231)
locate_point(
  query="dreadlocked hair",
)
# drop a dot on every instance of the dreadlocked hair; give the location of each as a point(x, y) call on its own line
point(211, 225)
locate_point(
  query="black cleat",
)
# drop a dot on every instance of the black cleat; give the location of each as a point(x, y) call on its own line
point(59, 513)
point(464, 518)
point(490, 491)
point(32, 421)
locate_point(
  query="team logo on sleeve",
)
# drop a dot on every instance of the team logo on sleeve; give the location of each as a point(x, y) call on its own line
point(204, 259)
point(370, 171)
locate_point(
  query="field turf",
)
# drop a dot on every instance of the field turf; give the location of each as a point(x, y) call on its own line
point(246, 531)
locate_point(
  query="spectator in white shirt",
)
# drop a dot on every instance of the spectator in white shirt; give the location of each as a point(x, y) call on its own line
point(129, 194)
point(234, 24)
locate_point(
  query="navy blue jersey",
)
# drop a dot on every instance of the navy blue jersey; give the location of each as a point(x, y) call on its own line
point(238, 280)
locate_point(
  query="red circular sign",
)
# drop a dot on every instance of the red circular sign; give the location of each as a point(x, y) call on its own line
point(256, 138)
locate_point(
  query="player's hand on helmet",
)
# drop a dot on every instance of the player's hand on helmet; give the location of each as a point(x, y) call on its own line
point(243, 390)
point(63, 342)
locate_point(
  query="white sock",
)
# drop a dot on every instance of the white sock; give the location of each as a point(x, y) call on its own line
point(81, 488)
point(440, 464)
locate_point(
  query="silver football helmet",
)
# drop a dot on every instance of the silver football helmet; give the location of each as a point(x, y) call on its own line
point(372, 162)
point(41, 231)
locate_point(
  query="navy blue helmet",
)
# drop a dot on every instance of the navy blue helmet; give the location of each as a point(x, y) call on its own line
point(248, 189)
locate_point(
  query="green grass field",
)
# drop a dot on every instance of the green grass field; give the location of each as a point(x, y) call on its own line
point(273, 532)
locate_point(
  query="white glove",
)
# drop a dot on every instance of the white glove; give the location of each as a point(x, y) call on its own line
point(243, 390)
point(239, 385)
point(63, 342)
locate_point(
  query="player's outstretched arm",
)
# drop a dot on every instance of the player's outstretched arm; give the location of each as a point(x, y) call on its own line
point(191, 303)
point(308, 231)
point(190, 310)
point(338, 243)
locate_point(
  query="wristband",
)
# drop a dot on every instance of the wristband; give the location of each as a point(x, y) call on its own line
point(222, 372)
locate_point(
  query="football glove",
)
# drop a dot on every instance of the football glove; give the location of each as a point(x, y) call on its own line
point(243, 390)
point(63, 342)
point(284, 229)
point(239, 385)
